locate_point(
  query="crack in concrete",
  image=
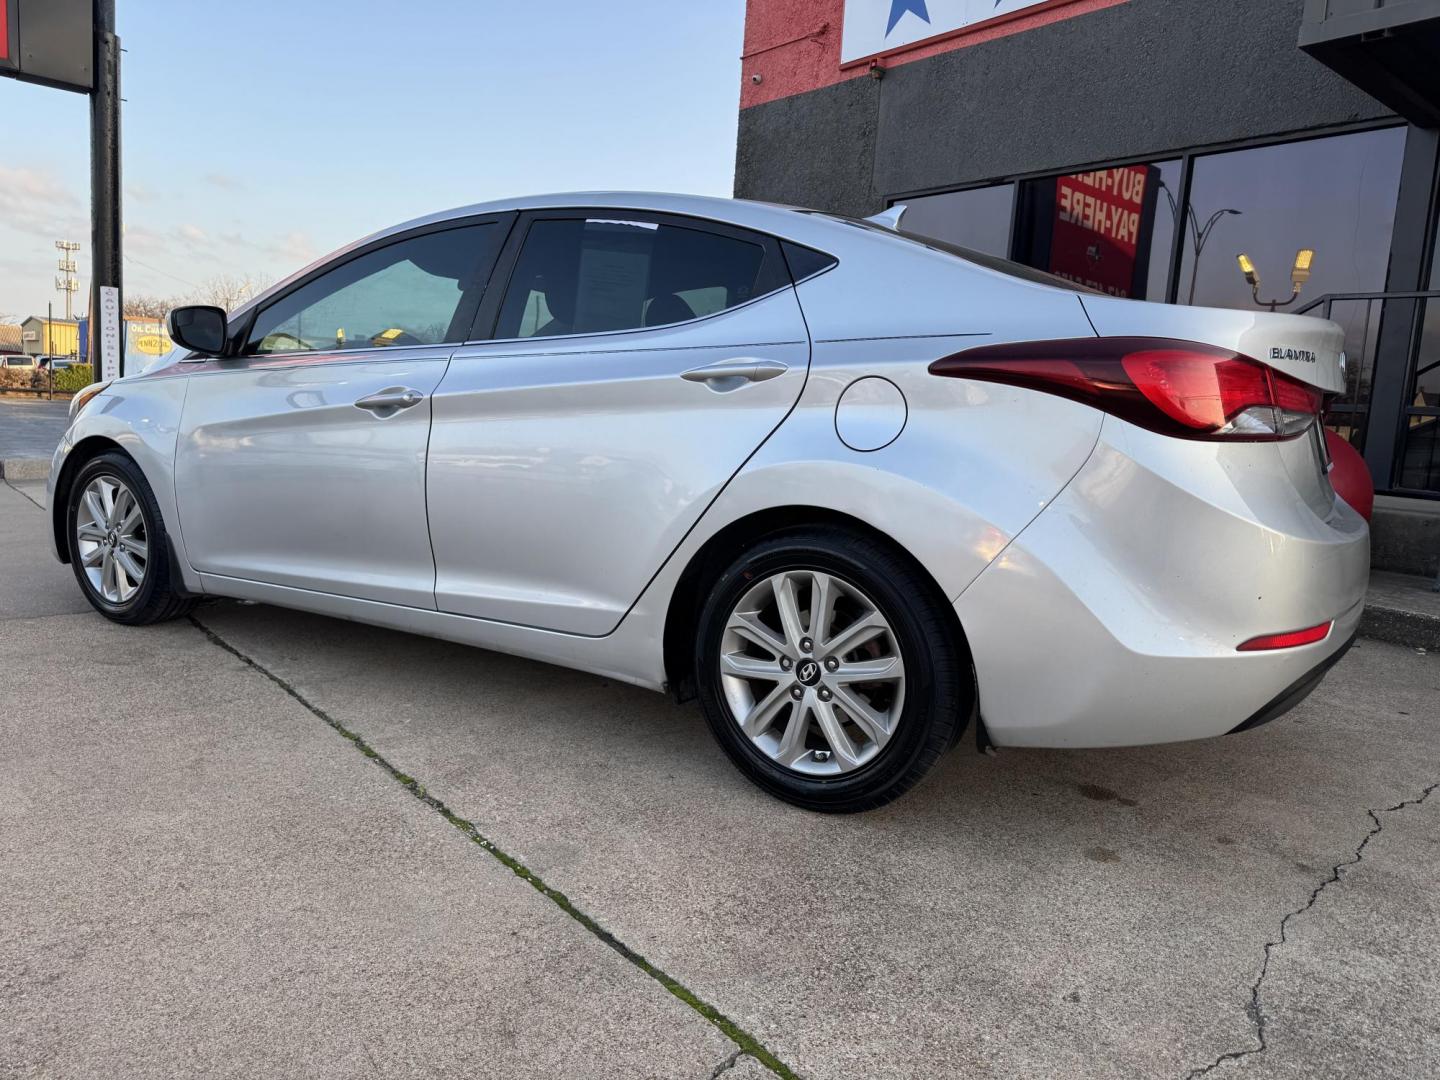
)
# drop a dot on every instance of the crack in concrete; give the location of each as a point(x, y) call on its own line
point(23, 494)
point(746, 1043)
point(1253, 1008)
point(726, 1065)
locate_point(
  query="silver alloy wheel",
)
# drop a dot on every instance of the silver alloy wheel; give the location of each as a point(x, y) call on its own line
point(812, 672)
point(111, 539)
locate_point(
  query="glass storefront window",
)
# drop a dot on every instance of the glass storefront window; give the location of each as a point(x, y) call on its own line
point(978, 219)
point(1419, 467)
point(1112, 230)
point(1335, 196)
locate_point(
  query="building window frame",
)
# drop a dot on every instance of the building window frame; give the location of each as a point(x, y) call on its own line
point(1186, 158)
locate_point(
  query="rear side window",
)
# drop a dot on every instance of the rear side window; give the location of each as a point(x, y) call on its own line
point(592, 275)
point(423, 290)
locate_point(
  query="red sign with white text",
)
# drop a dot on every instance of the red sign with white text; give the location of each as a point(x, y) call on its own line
point(1103, 222)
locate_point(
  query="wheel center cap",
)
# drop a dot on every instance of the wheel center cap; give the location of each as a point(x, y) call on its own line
point(808, 672)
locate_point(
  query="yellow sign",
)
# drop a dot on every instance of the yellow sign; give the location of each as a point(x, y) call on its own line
point(153, 344)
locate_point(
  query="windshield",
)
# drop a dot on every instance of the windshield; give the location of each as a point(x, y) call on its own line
point(979, 258)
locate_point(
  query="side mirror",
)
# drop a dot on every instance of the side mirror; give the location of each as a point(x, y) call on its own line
point(200, 329)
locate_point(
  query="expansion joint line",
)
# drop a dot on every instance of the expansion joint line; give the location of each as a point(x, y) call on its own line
point(746, 1043)
point(1254, 1008)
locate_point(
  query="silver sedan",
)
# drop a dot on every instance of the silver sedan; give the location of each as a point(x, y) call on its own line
point(855, 491)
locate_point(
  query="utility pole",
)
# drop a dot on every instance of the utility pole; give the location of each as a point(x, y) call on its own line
point(105, 191)
point(66, 282)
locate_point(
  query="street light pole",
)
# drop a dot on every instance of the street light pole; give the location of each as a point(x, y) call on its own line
point(1201, 237)
point(1198, 236)
point(105, 177)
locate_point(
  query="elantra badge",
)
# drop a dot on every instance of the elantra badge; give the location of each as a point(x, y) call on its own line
point(1304, 355)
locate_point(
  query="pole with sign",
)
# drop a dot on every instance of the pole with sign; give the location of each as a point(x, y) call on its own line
point(108, 338)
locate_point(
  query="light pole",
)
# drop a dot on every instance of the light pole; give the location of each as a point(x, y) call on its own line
point(1199, 236)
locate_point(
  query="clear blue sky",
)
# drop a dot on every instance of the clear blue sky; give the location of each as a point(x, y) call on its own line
point(258, 136)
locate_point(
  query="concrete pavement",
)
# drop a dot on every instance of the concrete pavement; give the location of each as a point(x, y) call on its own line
point(30, 429)
point(1035, 914)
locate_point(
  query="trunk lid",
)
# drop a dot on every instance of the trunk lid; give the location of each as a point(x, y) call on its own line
point(1300, 346)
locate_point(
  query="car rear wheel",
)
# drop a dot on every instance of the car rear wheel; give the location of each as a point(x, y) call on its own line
point(118, 547)
point(829, 671)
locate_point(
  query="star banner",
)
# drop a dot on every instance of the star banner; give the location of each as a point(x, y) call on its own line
point(877, 26)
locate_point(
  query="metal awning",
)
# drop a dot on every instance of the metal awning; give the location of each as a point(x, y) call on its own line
point(1388, 48)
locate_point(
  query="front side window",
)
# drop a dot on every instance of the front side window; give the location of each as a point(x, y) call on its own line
point(420, 291)
point(593, 275)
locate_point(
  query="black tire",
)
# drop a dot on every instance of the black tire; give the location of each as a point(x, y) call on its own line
point(157, 599)
point(939, 688)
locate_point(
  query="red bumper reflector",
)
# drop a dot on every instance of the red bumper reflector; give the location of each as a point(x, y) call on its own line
point(1288, 640)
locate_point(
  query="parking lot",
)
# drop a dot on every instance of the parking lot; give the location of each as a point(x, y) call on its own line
point(260, 843)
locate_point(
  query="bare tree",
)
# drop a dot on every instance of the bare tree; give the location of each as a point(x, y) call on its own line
point(228, 291)
point(150, 307)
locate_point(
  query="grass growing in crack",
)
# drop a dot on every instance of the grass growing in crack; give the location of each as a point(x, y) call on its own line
point(1253, 1008)
point(746, 1042)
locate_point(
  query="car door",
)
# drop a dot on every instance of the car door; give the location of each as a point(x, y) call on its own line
point(637, 361)
point(302, 462)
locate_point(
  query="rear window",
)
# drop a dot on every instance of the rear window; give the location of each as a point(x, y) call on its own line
point(979, 258)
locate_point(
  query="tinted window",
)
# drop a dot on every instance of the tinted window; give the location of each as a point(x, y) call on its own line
point(1111, 230)
point(420, 291)
point(979, 258)
point(1334, 196)
point(806, 262)
point(588, 276)
point(978, 219)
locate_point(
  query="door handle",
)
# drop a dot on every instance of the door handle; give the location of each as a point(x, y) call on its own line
point(730, 375)
point(391, 400)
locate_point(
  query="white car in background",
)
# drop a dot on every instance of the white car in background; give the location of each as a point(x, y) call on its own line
point(851, 489)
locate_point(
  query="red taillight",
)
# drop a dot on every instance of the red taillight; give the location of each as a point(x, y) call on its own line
point(1179, 388)
point(1289, 640)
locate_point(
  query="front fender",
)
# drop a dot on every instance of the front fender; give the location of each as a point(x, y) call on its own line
point(142, 418)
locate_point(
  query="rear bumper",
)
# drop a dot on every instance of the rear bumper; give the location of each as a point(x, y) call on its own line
point(1297, 692)
point(1114, 618)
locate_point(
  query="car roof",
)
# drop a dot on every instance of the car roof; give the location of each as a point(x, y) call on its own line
point(744, 212)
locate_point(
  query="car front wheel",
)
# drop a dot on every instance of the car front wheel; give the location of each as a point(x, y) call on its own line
point(829, 670)
point(118, 547)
